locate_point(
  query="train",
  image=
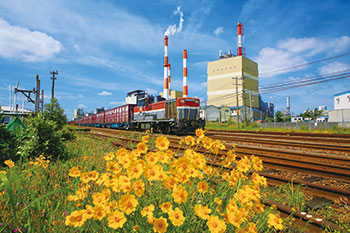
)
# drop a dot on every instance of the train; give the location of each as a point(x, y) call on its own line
point(142, 111)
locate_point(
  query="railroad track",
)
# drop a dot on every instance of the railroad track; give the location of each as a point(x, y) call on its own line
point(312, 224)
point(281, 159)
point(324, 144)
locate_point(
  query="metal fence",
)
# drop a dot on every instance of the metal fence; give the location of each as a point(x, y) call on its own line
point(306, 125)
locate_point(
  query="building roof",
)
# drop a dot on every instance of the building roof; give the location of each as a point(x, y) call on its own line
point(342, 93)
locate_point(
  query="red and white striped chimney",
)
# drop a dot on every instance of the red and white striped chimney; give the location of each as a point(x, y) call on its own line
point(185, 87)
point(241, 49)
point(166, 91)
point(169, 81)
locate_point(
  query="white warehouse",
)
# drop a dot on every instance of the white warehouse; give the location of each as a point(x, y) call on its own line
point(341, 112)
point(342, 100)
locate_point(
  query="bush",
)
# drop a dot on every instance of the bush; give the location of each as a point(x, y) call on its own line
point(8, 145)
point(54, 112)
point(67, 134)
point(41, 137)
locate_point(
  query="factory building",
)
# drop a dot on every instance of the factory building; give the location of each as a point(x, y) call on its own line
point(233, 81)
point(341, 112)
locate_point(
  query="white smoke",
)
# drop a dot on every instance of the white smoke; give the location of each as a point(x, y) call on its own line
point(172, 29)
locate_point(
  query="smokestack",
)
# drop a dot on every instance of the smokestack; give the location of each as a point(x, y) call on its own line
point(185, 87)
point(241, 49)
point(288, 105)
point(169, 81)
point(166, 92)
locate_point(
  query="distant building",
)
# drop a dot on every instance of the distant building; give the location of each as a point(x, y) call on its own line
point(174, 94)
point(212, 114)
point(296, 119)
point(230, 75)
point(78, 113)
point(323, 108)
point(342, 100)
point(225, 114)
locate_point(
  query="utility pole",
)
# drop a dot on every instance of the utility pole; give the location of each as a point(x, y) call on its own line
point(244, 103)
point(251, 107)
point(237, 105)
point(53, 82)
point(42, 100)
point(37, 94)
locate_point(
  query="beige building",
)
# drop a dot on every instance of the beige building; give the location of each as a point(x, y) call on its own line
point(222, 75)
point(174, 94)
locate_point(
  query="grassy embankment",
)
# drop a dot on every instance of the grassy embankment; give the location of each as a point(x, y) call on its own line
point(256, 127)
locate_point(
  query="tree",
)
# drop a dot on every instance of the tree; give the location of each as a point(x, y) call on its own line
point(279, 116)
point(54, 112)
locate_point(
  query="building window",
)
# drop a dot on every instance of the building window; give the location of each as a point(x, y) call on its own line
point(348, 98)
point(338, 100)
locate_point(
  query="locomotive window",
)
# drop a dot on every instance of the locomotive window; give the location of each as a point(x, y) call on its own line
point(190, 114)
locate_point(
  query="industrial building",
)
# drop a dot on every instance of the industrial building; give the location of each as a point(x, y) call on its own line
point(341, 112)
point(233, 81)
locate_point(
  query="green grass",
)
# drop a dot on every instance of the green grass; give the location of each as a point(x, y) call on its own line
point(256, 127)
point(35, 198)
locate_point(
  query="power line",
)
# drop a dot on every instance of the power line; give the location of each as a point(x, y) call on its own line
point(290, 85)
point(305, 64)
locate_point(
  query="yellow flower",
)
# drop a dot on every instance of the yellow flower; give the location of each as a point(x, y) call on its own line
point(170, 183)
point(142, 147)
point(259, 180)
point(114, 167)
point(257, 163)
point(135, 170)
point(202, 211)
point(116, 219)
point(162, 143)
point(202, 187)
point(84, 177)
point(179, 194)
point(148, 211)
point(152, 172)
point(99, 198)
point(218, 201)
point(9, 163)
point(76, 218)
point(216, 225)
point(93, 175)
point(275, 222)
point(160, 225)
point(145, 139)
point(139, 188)
point(136, 227)
point(90, 212)
point(243, 165)
point(207, 143)
point(189, 140)
point(100, 211)
point(3, 172)
point(109, 156)
point(200, 133)
point(128, 203)
point(176, 217)
point(165, 207)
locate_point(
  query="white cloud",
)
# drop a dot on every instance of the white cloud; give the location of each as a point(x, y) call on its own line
point(103, 93)
point(218, 31)
point(26, 45)
point(333, 68)
point(82, 106)
point(294, 51)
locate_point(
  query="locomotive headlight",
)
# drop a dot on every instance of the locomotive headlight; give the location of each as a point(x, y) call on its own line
point(197, 101)
point(182, 101)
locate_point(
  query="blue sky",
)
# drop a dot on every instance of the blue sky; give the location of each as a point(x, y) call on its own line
point(103, 49)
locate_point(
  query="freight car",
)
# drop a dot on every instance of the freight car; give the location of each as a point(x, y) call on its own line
point(179, 115)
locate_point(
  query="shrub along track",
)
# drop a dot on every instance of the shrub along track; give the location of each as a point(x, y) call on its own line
point(301, 219)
